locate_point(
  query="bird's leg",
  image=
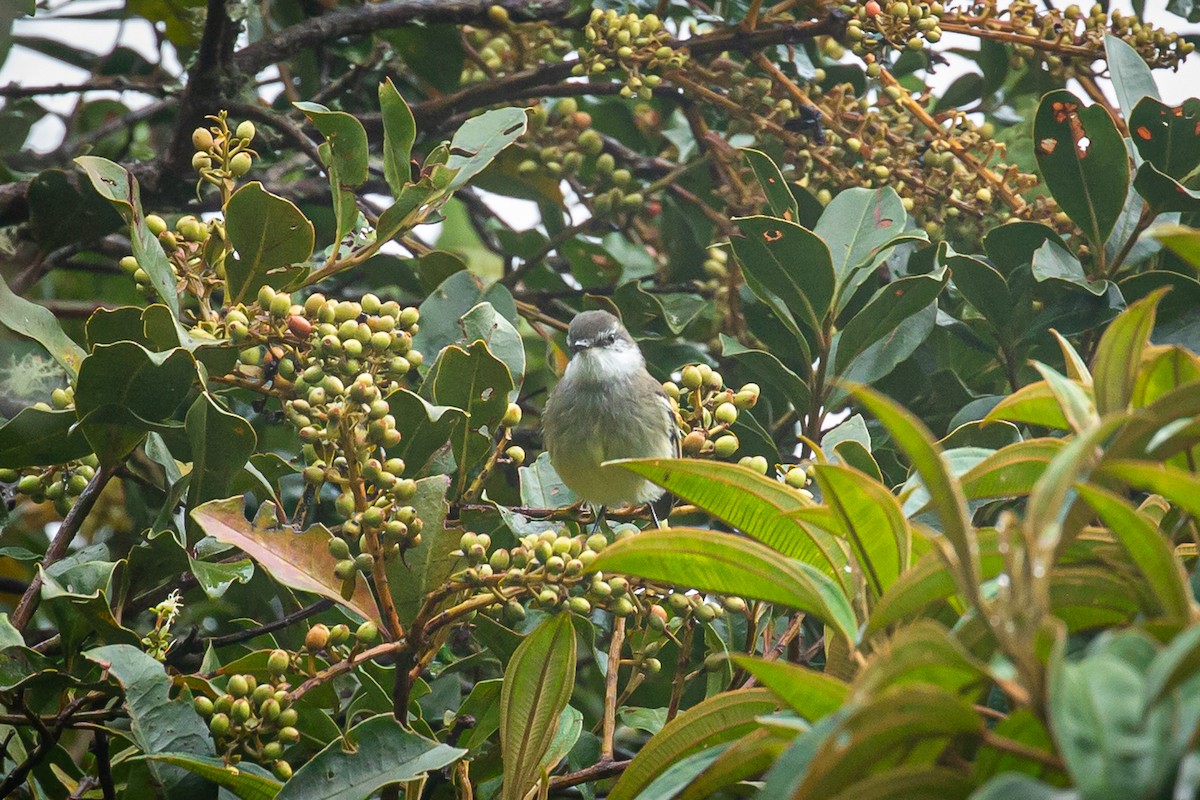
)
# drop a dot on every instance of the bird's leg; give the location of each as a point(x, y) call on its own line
point(599, 512)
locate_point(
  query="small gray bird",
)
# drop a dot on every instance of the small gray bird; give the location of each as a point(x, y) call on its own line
point(607, 406)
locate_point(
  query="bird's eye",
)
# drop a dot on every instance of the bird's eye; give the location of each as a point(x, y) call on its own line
point(609, 338)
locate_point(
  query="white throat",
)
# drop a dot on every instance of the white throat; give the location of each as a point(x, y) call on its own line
point(599, 364)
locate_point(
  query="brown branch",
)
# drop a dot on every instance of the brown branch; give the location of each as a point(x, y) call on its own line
point(362, 20)
point(601, 769)
point(608, 729)
point(58, 546)
point(14, 91)
point(243, 636)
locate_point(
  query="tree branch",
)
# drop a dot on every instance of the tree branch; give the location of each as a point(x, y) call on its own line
point(362, 20)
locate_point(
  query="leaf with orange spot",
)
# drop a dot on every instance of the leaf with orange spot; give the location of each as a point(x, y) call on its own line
point(780, 201)
point(1089, 179)
point(1168, 137)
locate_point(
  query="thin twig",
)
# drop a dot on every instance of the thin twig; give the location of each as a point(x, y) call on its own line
point(612, 672)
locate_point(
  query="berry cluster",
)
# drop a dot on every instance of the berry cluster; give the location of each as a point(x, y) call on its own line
point(707, 408)
point(252, 720)
point(223, 155)
point(899, 23)
point(60, 484)
point(507, 47)
point(636, 45)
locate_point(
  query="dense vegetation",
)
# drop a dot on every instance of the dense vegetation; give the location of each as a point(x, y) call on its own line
point(277, 522)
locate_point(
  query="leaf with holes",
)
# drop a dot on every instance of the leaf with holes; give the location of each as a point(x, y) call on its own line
point(787, 267)
point(1083, 160)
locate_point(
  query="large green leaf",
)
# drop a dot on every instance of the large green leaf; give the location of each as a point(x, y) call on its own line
point(38, 323)
point(1149, 550)
point(1083, 160)
point(1131, 77)
point(297, 560)
point(222, 443)
point(159, 724)
point(780, 200)
point(785, 263)
point(1011, 471)
point(269, 235)
point(754, 504)
point(857, 223)
point(767, 368)
point(1034, 404)
point(1166, 136)
point(116, 185)
point(431, 563)
point(425, 428)
point(1119, 354)
point(984, 288)
point(399, 133)
point(480, 140)
point(809, 693)
point(1015, 786)
point(484, 323)
point(474, 380)
point(715, 562)
point(537, 685)
point(712, 722)
point(36, 437)
point(375, 753)
point(885, 311)
point(247, 781)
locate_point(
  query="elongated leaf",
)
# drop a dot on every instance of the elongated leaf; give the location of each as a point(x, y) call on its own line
point(809, 693)
point(855, 224)
point(719, 719)
point(38, 323)
point(1033, 404)
point(870, 519)
point(480, 140)
point(484, 323)
point(946, 496)
point(429, 564)
point(783, 261)
point(1011, 471)
point(1119, 354)
point(537, 685)
point(714, 562)
point(1076, 401)
point(768, 368)
point(384, 753)
point(1083, 160)
point(1015, 786)
point(270, 235)
point(1131, 77)
point(159, 724)
point(347, 141)
point(884, 313)
point(746, 758)
point(911, 782)
point(298, 560)
point(780, 201)
point(425, 428)
point(923, 652)
point(222, 443)
point(1147, 547)
point(1181, 487)
point(748, 501)
point(247, 781)
point(399, 133)
point(120, 188)
point(1176, 664)
point(1166, 137)
point(984, 288)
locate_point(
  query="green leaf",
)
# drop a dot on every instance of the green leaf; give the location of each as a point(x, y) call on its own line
point(1083, 161)
point(1174, 666)
point(299, 561)
point(786, 264)
point(1052, 262)
point(442, 309)
point(215, 577)
point(484, 323)
point(770, 370)
point(924, 652)
point(53, 196)
point(1011, 471)
point(1148, 548)
point(38, 323)
point(1014, 786)
point(431, 563)
point(1119, 355)
point(809, 693)
point(984, 288)
point(375, 753)
point(714, 721)
point(270, 235)
point(247, 781)
point(424, 427)
point(866, 514)
point(399, 133)
point(347, 141)
point(1074, 400)
point(476, 381)
point(742, 760)
point(480, 139)
point(537, 685)
point(158, 723)
point(885, 311)
point(780, 201)
point(946, 496)
point(35, 437)
point(1114, 745)
point(885, 354)
point(1131, 78)
point(222, 443)
point(715, 562)
point(857, 223)
point(1181, 240)
point(754, 504)
point(1034, 404)
point(116, 185)
point(1166, 136)
point(570, 728)
point(1163, 193)
point(541, 486)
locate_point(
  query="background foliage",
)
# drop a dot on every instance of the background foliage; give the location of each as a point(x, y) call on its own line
point(277, 523)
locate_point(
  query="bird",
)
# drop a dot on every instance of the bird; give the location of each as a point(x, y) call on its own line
point(606, 407)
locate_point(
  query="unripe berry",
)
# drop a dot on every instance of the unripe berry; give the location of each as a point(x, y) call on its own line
point(203, 706)
point(238, 686)
point(202, 139)
point(219, 724)
point(512, 416)
point(725, 446)
point(281, 769)
point(288, 734)
point(726, 413)
point(516, 454)
point(339, 634)
point(691, 377)
point(278, 661)
point(156, 224)
point(693, 442)
point(201, 161)
point(240, 164)
point(245, 130)
point(240, 712)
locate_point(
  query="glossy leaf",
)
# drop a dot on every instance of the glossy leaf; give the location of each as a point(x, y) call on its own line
point(383, 752)
point(38, 323)
point(537, 685)
point(1012, 471)
point(890, 306)
point(269, 235)
point(1131, 77)
point(1166, 136)
point(785, 263)
point(35, 437)
point(484, 323)
point(425, 428)
point(770, 370)
point(754, 504)
point(247, 781)
point(719, 719)
point(480, 140)
point(1033, 404)
point(856, 223)
point(399, 133)
point(429, 564)
point(780, 201)
point(222, 444)
point(1083, 160)
point(809, 693)
point(1119, 354)
point(300, 561)
point(713, 562)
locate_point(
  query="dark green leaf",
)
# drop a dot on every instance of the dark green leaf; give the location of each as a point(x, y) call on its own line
point(424, 428)
point(399, 133)
point(480, 139)
point(270, 236)
point(347, 141)
point(1083, 160)
point(247, 781)
point(1053, 262)
point(382, 752)
point(885, 312)
point(780, 201)
point(38, 323)
point(856, 224)
point(786, 264)
point(35, 437)
point(222, 443)
point(429, 564)
point(483, 323)
point(1166, 136)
